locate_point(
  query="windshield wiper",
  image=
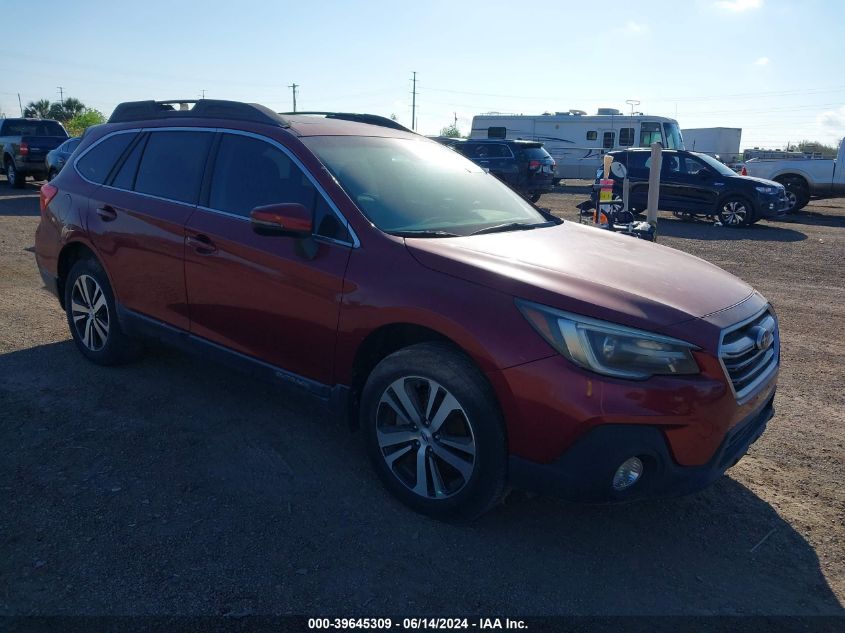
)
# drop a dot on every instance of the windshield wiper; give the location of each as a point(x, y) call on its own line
point(510, 226)
point(423, 233)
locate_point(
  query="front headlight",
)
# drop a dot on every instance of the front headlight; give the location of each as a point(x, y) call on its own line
point(607, 348)
point(766, 189)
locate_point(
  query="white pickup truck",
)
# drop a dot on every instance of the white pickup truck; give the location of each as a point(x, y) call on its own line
point(803, 178)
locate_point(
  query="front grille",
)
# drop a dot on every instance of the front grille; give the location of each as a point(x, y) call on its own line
point(747, 360)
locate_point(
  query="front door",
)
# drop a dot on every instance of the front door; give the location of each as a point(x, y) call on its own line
point(273, 298)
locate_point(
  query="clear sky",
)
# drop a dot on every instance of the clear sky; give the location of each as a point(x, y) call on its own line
point(771, 67)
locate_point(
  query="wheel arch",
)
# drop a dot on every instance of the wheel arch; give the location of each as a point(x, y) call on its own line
point(788, 176)
point(384, 341)
point(71, 253)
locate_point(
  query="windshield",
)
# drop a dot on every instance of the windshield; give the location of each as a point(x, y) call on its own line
point(408, 185)
point(673, 136)
point(715, 165)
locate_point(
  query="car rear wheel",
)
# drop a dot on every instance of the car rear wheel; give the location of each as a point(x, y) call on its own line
point(92, 318)
point(434, 433)
point(735, 212)
point(15, 178)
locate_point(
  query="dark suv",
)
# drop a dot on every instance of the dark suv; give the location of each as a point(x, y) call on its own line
point(697, 184)
point(416, 296)
point(524, 165)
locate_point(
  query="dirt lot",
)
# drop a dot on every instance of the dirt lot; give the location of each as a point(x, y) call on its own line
point(173, 487)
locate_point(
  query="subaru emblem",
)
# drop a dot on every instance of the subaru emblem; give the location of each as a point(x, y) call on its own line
point(763, 338)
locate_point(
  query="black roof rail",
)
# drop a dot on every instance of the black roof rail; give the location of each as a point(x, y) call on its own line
point(372, 119)
point(202, 108)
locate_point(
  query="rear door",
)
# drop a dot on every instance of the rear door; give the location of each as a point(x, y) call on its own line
point(273, 298)
point(137, 219)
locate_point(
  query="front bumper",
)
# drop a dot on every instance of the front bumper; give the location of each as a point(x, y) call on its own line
point(585, 471)
point(772, 205)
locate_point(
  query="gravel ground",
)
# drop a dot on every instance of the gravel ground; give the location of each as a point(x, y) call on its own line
point(174, 487)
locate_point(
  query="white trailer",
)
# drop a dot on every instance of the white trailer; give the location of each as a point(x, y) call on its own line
point(716, 141)
point(577, 141)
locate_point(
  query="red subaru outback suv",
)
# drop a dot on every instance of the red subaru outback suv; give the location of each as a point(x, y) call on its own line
point(475, 340)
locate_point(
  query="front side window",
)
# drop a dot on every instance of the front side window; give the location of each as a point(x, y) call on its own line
point(249, 173)
point(173, 164)
point(415, 185)
point(97, 162)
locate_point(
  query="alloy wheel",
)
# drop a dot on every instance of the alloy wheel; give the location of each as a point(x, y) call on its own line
point(425, 437)
point(734, 213)
point(90, 312)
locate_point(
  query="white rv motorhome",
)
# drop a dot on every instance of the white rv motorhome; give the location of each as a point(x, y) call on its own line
point(578, 141)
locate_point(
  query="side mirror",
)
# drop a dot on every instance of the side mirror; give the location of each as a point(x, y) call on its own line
point(289, 218)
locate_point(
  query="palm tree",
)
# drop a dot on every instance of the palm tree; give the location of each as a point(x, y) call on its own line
point(72, 107)
point(39, 109)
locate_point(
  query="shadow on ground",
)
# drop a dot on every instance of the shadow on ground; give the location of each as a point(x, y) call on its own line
point(701, 230)
point(174, 487)
point(19, 202)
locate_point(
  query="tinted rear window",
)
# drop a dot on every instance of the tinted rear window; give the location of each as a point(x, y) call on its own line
point(97, 162)
point(33, 128)
point(536, 153)
point(173, 164)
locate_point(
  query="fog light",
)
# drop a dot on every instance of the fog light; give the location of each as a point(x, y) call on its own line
point(628, 473)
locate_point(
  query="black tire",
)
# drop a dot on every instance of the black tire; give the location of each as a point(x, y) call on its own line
point(429, 374)
point(797, 193)
point(15, 178)
point(735, 212)
point(87, 326)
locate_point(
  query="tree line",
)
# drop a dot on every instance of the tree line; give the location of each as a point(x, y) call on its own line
point(73, 114)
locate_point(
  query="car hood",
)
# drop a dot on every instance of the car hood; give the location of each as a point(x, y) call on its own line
point(589, 271)
point(761, 181)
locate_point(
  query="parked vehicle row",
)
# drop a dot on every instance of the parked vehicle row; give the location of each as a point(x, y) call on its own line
point(416, 295)
point(24, 144)
point(523, 165)
point(697, 184)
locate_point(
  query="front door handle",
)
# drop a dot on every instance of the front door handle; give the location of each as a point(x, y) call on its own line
point(201, 244)
point(107, 213)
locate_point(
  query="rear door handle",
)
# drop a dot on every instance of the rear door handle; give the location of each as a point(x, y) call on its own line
point(107, 213)
point(201, 244)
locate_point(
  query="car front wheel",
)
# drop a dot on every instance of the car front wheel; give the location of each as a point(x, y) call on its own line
point(434, 432)
point(735, 212)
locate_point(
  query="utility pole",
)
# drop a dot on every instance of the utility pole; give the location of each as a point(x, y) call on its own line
point(20, 103)
point(203, 94)
point(414, 103)
point(61, 94)
point(293, 87)
point(455, 124)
